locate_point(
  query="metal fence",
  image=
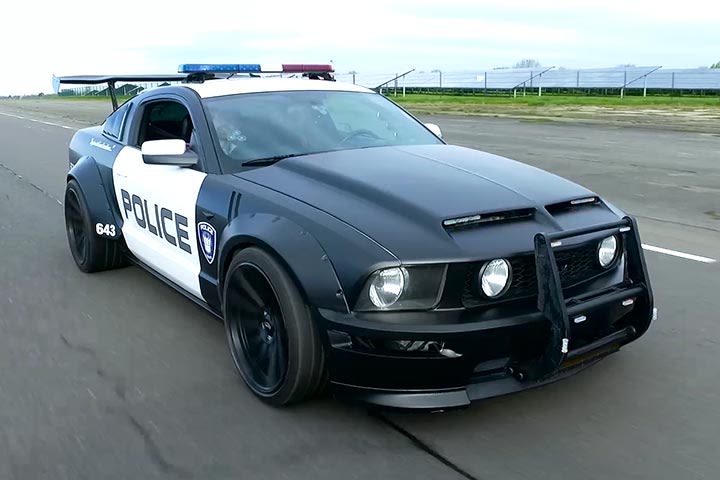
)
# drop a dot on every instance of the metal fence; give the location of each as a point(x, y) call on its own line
point(651, 78)
point(596, 80)
point(123, 89)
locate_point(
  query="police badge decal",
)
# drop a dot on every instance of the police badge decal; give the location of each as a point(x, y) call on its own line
point(206, 235)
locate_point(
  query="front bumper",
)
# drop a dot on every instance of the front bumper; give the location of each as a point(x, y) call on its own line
point(555, 339)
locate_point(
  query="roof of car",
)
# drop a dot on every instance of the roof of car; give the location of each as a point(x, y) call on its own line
point(239, 85)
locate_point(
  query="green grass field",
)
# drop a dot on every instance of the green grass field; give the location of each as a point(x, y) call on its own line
point(548, 100)
point(687, 113)
point(82, 98)
point(555, 100)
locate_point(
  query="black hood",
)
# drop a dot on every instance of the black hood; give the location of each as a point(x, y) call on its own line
point(400, 196)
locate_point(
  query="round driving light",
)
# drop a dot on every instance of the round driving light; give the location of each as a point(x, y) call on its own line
point(607, 251)
point(495, 277)
point(387, 286)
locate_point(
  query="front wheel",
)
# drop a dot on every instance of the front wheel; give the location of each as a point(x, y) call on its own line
point(272, 337)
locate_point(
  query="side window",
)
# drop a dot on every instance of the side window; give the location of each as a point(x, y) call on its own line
point(115, 123)
point(163, 120)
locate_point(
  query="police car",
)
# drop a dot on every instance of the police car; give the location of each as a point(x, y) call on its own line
point(344, 243)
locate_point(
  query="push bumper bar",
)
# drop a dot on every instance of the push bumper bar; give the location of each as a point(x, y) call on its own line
point(616, 315)
point(554, 308)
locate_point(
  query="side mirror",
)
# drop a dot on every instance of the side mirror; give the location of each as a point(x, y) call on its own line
point(168, 152)
point(434, 129)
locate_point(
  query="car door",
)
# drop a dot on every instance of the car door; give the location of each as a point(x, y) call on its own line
point(158, 202)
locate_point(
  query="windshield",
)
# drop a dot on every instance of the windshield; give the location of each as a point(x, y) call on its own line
point(272, 125)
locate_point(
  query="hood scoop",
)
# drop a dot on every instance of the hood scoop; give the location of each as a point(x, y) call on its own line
point(570, 205)
point(470, 221)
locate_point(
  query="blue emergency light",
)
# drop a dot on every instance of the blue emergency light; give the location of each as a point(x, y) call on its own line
point(219, 68)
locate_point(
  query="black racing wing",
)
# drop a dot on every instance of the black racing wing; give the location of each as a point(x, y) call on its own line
point(112, 79)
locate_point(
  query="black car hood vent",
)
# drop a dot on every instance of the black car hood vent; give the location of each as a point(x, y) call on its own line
point(574, 204)
point(471, 221)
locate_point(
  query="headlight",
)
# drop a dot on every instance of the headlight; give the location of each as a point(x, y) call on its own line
point(402, 288)
point(607, 251)
point(495, 277)
point(386, 287)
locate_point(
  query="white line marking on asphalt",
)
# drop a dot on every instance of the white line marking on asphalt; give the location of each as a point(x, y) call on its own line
point(38, 121)
point(11, 115)
point(675, 253)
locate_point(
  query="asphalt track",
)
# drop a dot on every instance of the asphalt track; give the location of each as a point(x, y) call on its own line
point(114, 375)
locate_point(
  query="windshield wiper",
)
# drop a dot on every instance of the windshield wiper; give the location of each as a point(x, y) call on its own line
point(270, 160)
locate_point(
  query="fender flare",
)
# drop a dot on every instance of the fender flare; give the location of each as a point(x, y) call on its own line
point(302, 255)
point(87, 175)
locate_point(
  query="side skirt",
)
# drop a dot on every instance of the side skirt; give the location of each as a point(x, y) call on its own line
point(131, 258)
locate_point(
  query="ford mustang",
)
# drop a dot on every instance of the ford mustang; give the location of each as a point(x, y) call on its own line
point(343, 243)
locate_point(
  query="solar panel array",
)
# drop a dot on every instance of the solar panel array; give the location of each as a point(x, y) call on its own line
point(598, 78)
point(612, 78)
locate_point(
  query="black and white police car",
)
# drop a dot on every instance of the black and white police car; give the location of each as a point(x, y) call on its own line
point(343, 242)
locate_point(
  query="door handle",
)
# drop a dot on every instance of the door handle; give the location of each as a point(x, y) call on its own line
point(207, 214)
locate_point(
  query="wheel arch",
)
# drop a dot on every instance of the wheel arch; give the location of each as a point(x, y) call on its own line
point(87, 175)
point(295, 248)
point(243, 242)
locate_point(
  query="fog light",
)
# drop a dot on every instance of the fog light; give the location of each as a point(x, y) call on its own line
point(495, 277)
point(607, 251)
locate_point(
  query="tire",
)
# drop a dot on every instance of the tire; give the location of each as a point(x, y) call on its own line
point(273, 339)
point(90, 252)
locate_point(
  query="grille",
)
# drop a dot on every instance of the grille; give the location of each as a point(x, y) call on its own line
point(575, 265)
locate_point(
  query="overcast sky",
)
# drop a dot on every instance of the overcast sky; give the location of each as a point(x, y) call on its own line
point(130, 36)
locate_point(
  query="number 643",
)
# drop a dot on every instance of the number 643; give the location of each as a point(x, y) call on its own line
point(105, 229)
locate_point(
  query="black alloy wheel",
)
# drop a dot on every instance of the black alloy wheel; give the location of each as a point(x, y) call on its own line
point(271, 334)
point(257, 332)
point(76, 229)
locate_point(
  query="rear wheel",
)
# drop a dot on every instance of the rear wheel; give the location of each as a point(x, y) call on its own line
point(272, 337)
point(90, 252)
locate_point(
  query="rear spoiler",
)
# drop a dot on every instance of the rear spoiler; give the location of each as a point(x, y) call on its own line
point(112, 79)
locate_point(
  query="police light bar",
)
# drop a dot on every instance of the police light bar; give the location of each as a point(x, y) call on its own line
point(253, 68)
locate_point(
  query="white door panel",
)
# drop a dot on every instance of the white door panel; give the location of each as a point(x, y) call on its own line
point(158, 203)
